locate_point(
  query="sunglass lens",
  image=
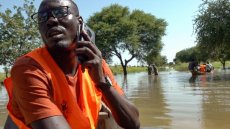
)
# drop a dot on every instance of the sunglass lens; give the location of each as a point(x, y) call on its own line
point(42, 17)
point(60, 12)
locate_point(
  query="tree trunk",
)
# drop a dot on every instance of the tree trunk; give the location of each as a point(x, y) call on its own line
point(222, 61)
point(6, 71)
point(124, 69)
point(6, 74)
point(150, 69)
point(223, 65)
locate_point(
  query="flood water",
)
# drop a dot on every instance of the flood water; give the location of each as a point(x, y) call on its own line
point(173, 100)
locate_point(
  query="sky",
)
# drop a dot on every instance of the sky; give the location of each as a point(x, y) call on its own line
point(179, 14)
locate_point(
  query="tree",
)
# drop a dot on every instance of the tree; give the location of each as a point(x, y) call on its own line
point(150, 31)
point(197, 53)
point(117, 30)
point(158, 60)
point(212, 26)
point(187, 55)
point(18, 33)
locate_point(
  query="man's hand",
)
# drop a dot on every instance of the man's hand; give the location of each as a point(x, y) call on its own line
point(94, 58)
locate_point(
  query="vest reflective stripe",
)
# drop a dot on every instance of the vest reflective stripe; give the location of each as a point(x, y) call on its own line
point(90, 98)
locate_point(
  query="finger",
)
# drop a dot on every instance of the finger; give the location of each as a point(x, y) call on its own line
point(85, 51)
point(86, 44)
point(92, 62)
point(91, 46)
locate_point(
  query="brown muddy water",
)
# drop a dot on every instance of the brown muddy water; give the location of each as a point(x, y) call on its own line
point(173, 100)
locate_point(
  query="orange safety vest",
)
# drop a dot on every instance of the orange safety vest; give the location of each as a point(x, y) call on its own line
point(89, 101)
point(202, 68)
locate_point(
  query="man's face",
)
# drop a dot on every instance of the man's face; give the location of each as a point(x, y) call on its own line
point(58, 32)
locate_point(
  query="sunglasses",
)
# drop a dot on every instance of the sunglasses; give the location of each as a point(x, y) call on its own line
point(57, 12)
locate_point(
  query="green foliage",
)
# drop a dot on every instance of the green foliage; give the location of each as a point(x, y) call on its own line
point(18, 33)
point(212, 26)
point(158, 60)
point(150, 31)
point(112, 28)
point(197, 53)
point(119, 30)
point(187, 55)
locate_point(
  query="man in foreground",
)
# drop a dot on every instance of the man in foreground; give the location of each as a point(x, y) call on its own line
point(51, 89)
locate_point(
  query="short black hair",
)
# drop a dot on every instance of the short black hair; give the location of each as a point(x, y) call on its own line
point(75, 7)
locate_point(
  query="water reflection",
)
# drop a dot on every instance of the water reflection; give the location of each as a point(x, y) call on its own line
point(146, 93)
point(216, 101)
point(193, 79)
point(177, 100)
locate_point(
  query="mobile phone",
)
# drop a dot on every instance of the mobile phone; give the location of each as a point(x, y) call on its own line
point(89, 31)
point(82, 58)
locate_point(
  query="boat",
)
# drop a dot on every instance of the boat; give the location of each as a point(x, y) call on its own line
point(201, 69)
point(106, 119)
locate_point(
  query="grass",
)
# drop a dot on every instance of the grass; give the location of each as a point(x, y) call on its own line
point(2, 76)
point(218, 65)
point(181, 67)
point(131, 69)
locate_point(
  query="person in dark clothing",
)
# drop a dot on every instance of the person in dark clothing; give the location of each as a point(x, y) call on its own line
point(192, 65)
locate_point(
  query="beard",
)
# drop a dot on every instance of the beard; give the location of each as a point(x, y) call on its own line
point(60, 44)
